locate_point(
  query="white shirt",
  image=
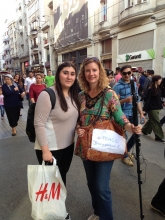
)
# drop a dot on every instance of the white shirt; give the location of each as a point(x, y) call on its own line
point(28, 82)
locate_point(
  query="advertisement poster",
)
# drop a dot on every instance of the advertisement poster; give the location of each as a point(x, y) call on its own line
point(70, 21)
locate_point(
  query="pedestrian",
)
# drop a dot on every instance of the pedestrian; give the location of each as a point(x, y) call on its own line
point(2, 105)
point(110, 76)
point(55, 129)
point(118, 74)
point(20, 82)
point(123, 90)
point(141, 85)
point(28, 81)
point(158, 201)
point(49, 79)
point(94, 83)
point(152, 106)
point(12, 95)
point(147, 83)
point(36, 88)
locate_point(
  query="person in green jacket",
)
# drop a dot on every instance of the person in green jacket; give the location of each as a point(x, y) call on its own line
point(49, 79)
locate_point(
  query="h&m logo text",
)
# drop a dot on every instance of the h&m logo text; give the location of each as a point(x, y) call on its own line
point(53, 193)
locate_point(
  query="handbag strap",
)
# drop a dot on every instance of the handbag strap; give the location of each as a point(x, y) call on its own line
point(100, 108)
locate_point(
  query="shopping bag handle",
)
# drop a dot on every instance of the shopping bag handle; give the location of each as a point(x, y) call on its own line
point(54, 162)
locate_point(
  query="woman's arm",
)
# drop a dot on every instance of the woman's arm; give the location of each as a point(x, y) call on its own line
point(42, 111)
point(148, 97)
point(31, 94)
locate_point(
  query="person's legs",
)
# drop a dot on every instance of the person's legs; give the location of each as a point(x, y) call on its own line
point(158, 201)
point(155, 123)
point(2, 111)
point(162, 121)
point(147, 128)
point(98, 177)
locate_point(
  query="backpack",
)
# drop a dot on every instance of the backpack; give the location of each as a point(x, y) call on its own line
point(30, 129)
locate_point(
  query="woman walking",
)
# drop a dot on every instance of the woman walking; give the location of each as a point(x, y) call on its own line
point(12, 94)
point(36, 88)
point(152, 106)
point(94, 83)
point(55, 128)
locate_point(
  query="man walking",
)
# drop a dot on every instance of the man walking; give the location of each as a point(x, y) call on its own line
point(49, 79)
point(28, 81)
point(147, 82)
point(118, 74)
point(123, 90)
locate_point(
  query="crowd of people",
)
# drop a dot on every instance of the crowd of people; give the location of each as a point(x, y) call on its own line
point(75, 111)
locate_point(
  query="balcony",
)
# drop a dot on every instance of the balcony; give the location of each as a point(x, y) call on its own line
point(7, 57)
point(35, 62)
point(5, 39)
point(35, 47)
point(33, 31)
point(135, 13)
point(45, 26)
point(7, 47)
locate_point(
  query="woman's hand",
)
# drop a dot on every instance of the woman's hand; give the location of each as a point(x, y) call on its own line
point(136, 129)
point(23, 94)
point(16, 89)
point(46, 154)
point(133, 129)
point(80, 131)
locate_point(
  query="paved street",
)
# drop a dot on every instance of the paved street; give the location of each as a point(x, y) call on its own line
point(17, 152)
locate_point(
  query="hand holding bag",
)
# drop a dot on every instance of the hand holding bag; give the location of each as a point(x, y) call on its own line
point(83, 145)
point(47, 192)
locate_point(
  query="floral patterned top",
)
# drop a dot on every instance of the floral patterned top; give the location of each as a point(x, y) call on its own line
point(111, 108)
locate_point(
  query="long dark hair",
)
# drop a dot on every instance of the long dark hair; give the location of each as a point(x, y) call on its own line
point(73, 89)
point(155, 90)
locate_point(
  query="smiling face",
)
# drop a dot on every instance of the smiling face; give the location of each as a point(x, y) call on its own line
point(92, 73)
point(67, 77)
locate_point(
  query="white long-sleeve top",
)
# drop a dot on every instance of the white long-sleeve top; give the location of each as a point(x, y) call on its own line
point(54, 128)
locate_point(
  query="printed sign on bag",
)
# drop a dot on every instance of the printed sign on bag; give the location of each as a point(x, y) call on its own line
point(44, 194)
point(108, 141)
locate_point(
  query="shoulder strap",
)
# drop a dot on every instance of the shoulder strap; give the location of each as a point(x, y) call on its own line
point(52, 96)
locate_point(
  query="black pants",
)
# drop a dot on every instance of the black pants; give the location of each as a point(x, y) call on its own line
point(158, 200)
point(63, 157)
point(13, 115)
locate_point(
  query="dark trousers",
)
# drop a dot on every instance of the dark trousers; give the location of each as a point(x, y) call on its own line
point(158, 200)
point(63, 157)
point(13, 115)
point(162, 121)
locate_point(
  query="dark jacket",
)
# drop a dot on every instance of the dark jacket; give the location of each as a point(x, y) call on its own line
point(153, 102)
point(11, 97)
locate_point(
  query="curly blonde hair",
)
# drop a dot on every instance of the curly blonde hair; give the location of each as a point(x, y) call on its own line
point(103, 80)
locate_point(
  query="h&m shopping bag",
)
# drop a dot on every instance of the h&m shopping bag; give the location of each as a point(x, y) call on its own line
point(47, 192)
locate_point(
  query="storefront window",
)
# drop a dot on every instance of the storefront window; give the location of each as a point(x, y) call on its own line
point(83, 52)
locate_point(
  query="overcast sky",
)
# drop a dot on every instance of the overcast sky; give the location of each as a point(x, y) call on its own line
point(7, 11)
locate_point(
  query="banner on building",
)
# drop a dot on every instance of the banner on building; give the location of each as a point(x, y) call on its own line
point(136, 56)
point(70, 21)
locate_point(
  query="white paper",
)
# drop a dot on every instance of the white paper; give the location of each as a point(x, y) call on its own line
point(108, 141)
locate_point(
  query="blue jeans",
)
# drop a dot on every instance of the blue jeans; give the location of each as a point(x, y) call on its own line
point(2, 110)
point(98, 177)
point(131, 141)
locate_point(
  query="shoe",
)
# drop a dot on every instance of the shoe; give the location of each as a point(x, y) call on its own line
point(68, 217)
point(160, 140)
point(157, 209)
point(144, 133)
point(127, 161)
point(2, 118)
point(93, 217)
point(131, 156)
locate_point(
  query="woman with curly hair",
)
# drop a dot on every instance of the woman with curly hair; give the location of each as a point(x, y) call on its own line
point(152, 106)
point(94, 83)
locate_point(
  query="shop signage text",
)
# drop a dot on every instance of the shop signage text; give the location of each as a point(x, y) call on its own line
point(132, 57)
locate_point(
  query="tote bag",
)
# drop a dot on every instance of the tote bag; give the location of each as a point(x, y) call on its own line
point(47, 192)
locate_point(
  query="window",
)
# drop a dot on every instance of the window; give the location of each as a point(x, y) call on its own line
point(140, 1)
point(107, 46)
point(128, 3)
point(103, 13)
point(83, 52)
